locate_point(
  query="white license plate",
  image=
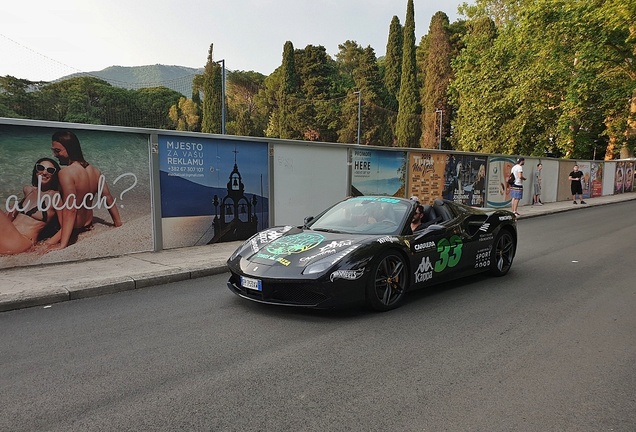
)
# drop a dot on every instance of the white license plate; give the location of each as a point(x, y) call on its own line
point(253, 284)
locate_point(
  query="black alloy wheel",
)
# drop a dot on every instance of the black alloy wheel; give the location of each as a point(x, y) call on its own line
point(503, 253)
point(388, 283)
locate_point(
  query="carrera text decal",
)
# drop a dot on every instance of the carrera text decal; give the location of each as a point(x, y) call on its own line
point(422, 246)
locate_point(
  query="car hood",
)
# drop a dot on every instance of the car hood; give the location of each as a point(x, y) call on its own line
point(287, 248)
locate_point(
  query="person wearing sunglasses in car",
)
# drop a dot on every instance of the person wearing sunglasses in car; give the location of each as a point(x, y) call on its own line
point(34, 218)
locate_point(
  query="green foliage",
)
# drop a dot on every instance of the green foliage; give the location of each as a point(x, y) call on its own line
point(287, 127)
point(541, 77)
point(184, 116)
point(243, 115)
point(437, 75)
point(212, 95)
point(393, 63)
point(317, 114)
point(408, 121)
point(554, 80)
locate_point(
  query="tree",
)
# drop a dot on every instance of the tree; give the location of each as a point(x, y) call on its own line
point(478, 91)
point(16, 96)
point(393, 63)
point(243, 115)
point(347, 61)
point(212, 94)
point(317, 113)
point(153, 105)
point(408, 122)
point(437, 75)
point(184, 115)
point(376, 126)
point(556, 79)
point(287, 94)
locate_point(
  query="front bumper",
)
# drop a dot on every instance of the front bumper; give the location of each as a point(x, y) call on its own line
point(314, 294)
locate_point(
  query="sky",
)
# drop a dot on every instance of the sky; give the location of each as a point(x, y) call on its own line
point(45, 40)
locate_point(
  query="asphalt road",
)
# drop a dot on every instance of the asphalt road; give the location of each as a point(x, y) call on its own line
point(550, 347)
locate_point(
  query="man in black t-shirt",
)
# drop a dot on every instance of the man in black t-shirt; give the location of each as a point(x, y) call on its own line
point(576, 187)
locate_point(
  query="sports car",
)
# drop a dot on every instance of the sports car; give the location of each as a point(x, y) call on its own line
point(362, 249)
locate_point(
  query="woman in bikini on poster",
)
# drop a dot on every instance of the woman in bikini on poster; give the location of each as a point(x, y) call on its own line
point(22, 227)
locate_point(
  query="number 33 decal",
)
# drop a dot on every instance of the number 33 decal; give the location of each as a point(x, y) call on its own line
point(450, 251)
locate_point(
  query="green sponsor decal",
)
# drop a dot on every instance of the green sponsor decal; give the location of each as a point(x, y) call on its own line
point(450, 252)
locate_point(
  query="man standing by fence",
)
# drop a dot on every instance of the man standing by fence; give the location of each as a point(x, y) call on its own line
point(516, 189)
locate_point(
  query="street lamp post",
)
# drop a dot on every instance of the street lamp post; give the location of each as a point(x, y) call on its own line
point(359, 93)
point(222, 96)
point(441, 113)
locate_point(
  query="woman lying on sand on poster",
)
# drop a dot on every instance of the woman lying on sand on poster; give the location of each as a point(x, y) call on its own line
point(21, 228)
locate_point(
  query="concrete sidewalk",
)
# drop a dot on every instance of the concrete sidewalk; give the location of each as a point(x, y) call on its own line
point(42, 285)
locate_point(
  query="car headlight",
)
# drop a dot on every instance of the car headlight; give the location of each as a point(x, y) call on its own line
point(326, 263)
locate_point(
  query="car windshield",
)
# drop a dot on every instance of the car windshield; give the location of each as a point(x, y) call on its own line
point(364, 215)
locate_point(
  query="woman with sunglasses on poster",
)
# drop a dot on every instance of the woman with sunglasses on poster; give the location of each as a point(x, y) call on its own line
point(34, 218)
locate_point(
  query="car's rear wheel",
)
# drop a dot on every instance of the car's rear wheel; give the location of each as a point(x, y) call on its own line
point(388, 283)
point(503, 253)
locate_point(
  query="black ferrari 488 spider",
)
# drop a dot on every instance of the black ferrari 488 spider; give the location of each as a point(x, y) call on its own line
point(362, 249)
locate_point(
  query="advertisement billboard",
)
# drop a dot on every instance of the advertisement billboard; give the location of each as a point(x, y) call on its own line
point(498, 189)
point(376, 172)
point(426, 176)
point(212, 190)
point(465, 179)
point(71, 194)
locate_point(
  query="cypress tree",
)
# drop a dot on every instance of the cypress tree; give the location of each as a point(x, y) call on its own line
point(408, 122)
point(393, 63)
point(316, 116)
point(375, 127)
point(212, 93)
point(437, 75)
point(288, 89)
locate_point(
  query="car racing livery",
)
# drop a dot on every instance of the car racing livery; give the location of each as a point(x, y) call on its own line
point(362, 250)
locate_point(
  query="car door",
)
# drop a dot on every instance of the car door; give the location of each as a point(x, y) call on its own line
point(434, 253)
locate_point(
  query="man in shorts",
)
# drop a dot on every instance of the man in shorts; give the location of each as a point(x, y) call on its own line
point(516, 189)
point(576, 187)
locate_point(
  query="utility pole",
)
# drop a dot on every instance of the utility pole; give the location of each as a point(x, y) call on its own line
point(441, 114)
point(222, 96)
point(359, 93)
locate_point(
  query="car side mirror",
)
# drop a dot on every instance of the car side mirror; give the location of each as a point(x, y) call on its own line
point(307, 220)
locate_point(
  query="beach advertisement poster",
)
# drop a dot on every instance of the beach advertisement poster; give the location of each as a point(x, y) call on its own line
point(596, 179)
point(426, 176)
point(628, 183)
point(619, 177)
point(72, 194)
point(377, 172)
point(212, 190)
point(465, 179)
point(586, 169)
point(498, 194)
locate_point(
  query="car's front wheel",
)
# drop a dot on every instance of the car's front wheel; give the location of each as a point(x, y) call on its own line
point(388, 283)
point(503, 253)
